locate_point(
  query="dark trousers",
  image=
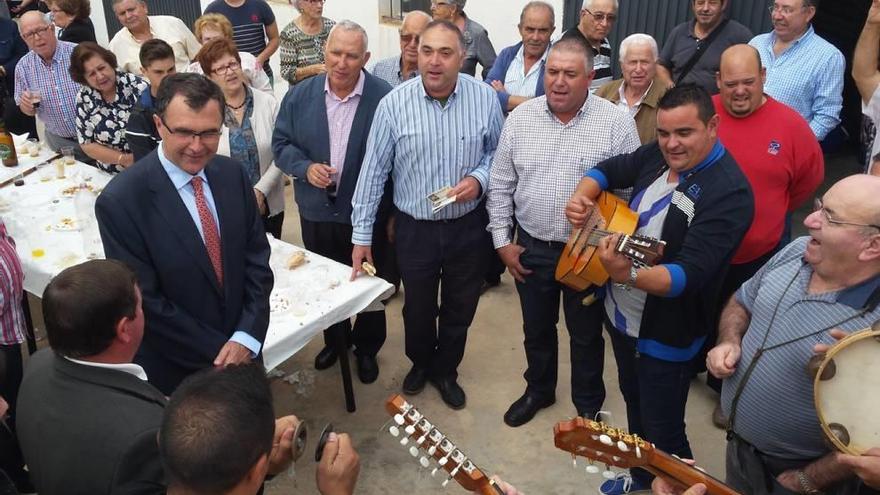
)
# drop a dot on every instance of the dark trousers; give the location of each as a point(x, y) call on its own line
point(737, 274)
point(449, 257)
point(333, 240)
point(539, 300)
point(656, 393)
point(272, 225)
point(11, 369)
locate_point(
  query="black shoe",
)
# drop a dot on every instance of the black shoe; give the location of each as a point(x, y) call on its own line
point(326, 358)
point(415, 380)
point(524, 409)
point(451, 393)
point(368, 368)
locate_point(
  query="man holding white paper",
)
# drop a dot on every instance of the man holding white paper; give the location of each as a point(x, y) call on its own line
point(433, 131)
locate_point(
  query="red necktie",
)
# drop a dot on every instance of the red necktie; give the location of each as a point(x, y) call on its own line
point(209, 227)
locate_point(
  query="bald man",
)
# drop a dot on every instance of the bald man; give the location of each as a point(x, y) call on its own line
point(395, 70)
point(827, 280)
point(779, 155)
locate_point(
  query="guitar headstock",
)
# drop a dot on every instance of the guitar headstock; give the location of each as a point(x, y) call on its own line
point(426, 442)
point(643, 251)
point(602, 444)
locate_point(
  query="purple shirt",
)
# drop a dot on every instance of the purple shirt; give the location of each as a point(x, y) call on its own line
point(340, 117)
point(12, 322)
point(58, 91)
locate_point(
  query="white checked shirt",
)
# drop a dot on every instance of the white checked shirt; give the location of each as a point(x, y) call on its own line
point(540, 160)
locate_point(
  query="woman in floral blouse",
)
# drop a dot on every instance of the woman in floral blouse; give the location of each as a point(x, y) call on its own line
point(303, 40)
point(103, 105)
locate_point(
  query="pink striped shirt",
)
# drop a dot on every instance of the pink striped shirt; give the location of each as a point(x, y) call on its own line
point(12, 323)
point(340, 117)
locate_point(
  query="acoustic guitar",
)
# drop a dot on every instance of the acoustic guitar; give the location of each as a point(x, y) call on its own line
point(427, 443)
point(609, 446)
point(579, 266)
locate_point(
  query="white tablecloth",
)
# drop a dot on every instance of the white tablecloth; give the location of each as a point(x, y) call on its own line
point(25, 162)
point(305, 300)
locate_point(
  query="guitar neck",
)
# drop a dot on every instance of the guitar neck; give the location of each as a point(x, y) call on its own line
point(685, 475)
point(491, 488)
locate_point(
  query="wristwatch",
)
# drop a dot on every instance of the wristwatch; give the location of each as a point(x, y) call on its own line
point(807, 485)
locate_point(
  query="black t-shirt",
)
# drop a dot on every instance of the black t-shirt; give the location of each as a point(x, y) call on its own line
point(249, 22)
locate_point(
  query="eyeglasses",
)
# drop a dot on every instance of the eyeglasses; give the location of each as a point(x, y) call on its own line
point(190, 135)
point(784, 9)
point(818, 206)
point(231, 66)
point(36, 32)
point(601, 16)
point(409, 38)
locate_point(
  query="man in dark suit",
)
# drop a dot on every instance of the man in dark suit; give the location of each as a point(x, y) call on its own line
point(186, 221)
point(320, 139)
point(87, 418)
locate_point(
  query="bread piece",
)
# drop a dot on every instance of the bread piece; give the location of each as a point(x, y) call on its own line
point(296, 259)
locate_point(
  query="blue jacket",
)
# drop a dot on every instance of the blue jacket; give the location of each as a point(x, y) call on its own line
point(302, 137)
point(499, 72)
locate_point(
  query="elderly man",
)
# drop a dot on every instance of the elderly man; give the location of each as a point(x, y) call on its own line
point(138, 27)
point(867, 78)
point(518, 73)
point(693, 49)
point(188, 224)
point(597, 19)
point(219, 436)
point(827, 280)
point(544, 149)
point(641, 88)
point(689, 192)
point(803, 70)
point(43, 86)
point(396, 70)
point(325, 162)
point(775, 148)
point(433, 132)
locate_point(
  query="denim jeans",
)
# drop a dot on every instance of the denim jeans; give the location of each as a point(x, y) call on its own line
point(656, 393)
point(539, 300)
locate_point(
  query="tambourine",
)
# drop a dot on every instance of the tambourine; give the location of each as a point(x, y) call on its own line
point(846, 391)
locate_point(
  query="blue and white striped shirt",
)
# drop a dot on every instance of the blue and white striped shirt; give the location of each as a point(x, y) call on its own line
point(807, 76)
point(785, 314)
point(426, 146)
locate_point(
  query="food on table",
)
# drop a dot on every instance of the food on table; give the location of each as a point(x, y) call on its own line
point(296, 259)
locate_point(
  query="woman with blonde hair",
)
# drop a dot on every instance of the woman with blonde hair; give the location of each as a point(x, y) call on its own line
point(214, 26)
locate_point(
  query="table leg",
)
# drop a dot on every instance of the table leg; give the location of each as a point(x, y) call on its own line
point(31, 337)
point(345, 367)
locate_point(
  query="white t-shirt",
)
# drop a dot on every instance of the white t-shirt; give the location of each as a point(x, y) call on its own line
point(872, 111)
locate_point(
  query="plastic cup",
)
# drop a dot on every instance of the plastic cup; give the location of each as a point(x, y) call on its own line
point(59, 168)
point(33, 147)
point(67, 154)
point(44, 171)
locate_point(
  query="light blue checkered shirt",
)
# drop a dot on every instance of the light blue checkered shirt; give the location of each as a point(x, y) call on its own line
point(808, 77)
point(388, 70)
point(426, 146)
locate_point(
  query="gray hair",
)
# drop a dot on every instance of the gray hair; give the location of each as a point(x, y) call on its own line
point(459, 3)
point(114, 3)
point(352, 27)
point(639, 39)
point(538, 5)
point(589, 3)
point(574, 45)
point(417, 13)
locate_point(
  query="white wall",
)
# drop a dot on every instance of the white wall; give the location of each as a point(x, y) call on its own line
point(499, 17)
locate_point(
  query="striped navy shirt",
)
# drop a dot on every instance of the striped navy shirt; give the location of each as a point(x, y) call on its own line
point(426, 146)
point(779, 386)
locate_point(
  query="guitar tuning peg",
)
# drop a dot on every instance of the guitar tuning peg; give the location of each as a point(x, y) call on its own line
point(592, 469)
point(455, 471)
point(410, 429)
point(606, 440)
point(414, 451)
point(622, 446)
point(395, 431)
point(398, 418)
point(608, 474)
point(404, 441)
point(443, 460)
point(574, 461)
point(424, 462)
point(445, 482)
point(434, 471)
point(432, 449)
point(638, 451)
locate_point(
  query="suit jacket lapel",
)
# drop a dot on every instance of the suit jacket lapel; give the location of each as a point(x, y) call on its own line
point(168, 203)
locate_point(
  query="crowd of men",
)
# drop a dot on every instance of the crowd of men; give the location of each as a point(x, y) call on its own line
point(712, 140)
